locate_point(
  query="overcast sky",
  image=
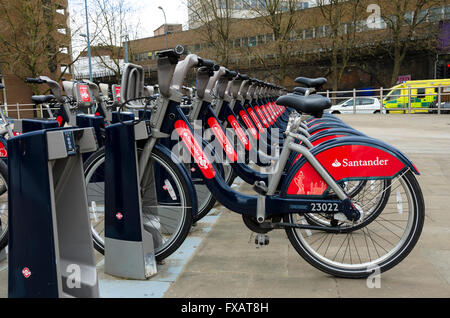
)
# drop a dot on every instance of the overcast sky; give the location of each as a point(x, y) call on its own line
point(147, 12)
point(151, 17)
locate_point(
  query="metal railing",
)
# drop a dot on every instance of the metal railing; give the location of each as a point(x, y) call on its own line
point(405, 101)
point(440, 104)
point(19, 111)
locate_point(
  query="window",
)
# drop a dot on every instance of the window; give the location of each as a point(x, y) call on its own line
point(269, 37)
point(394, 95)
point(309, 33)
point(252, 41)
point(421, 93)
point(320, 31)
point(421, 16)
point(64, 70)
point(237, 43)
point(408, 17)
point(261, 39)
point(196, 47)
point(61, 11)
point(238, 4)
point(447, 12)
point(221, 4)
point(435, 14)
point(62, 30)
point(365, 101)
point(244, 42)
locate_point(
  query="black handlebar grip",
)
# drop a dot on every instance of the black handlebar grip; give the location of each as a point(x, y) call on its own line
point(231, 74)
point(242, 77)
point(34, 80)
point(207, 63)
point(216, 67)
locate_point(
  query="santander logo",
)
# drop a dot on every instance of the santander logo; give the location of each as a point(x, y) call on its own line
point(360, 163)
point(336, 164)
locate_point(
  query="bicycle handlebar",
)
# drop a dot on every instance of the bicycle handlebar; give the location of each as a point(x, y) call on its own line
point(207, 63)
point(35, 80)
point(242, 77)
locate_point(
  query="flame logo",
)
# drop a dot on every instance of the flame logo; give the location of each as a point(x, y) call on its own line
point(336, 164)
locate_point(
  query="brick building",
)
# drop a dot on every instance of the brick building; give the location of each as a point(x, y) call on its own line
point(47, 50)
point(251, 41)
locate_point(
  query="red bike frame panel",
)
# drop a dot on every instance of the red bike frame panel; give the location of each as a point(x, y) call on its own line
point(222, 138)
point(194, 148)
point(239, 132)
point(249, 124)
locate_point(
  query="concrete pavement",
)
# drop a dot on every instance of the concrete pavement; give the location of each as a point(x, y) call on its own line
point(227, 263)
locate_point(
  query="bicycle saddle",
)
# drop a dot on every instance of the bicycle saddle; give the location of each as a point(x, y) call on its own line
point(300, 90)
point(313, 104)
point(41, 99)
point(311, 82)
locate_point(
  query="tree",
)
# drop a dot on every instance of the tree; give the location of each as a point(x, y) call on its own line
point(341, 27)
point(215, 19)
point(405, 19)
point(279, 16)
point(113, 25)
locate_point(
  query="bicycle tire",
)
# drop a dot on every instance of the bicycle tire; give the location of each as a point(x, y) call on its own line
point(94, 162)
point(392, 257)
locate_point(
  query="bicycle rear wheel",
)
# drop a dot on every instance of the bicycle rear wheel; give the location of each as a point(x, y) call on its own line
point(379, 244)
point(166, 202)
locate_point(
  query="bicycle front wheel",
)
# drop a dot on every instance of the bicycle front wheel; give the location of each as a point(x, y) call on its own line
point(165, 200)
point(377, 245)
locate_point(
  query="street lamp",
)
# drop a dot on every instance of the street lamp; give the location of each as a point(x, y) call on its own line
point(125, 37)
point(88, 41)
point(165, 27)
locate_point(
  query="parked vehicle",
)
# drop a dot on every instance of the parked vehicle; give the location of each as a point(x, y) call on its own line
point(364, 105)
point(423, 95)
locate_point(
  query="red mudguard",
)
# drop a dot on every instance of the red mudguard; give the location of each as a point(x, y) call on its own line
point(344, 160)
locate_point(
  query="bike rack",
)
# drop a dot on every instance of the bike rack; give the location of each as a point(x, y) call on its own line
point(97, 122)
point(27, 125)
point(50, 244)
point(129, 249)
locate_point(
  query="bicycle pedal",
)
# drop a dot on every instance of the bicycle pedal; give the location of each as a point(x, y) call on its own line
point(261, 240)
point(260, 187)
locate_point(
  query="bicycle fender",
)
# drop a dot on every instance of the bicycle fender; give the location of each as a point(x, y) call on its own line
point(346, 158)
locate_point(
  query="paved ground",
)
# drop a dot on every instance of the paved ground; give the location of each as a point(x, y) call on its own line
point(223, 261)
point(227, 264)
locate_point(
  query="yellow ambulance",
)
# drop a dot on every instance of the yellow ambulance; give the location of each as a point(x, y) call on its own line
point(423, 96)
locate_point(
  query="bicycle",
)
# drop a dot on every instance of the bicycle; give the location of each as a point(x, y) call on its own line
point(286, 208)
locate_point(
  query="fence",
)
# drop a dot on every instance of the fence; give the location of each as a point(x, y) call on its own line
point(19, 111)
point(423, 99)
point(427, 99)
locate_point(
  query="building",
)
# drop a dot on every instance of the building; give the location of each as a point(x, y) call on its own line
point(46, 52)
point(252, 49)
point(236, 9)
point(171, 28)
point(106, 62)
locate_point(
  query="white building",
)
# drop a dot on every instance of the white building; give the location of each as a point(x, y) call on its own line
point(81, 66)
